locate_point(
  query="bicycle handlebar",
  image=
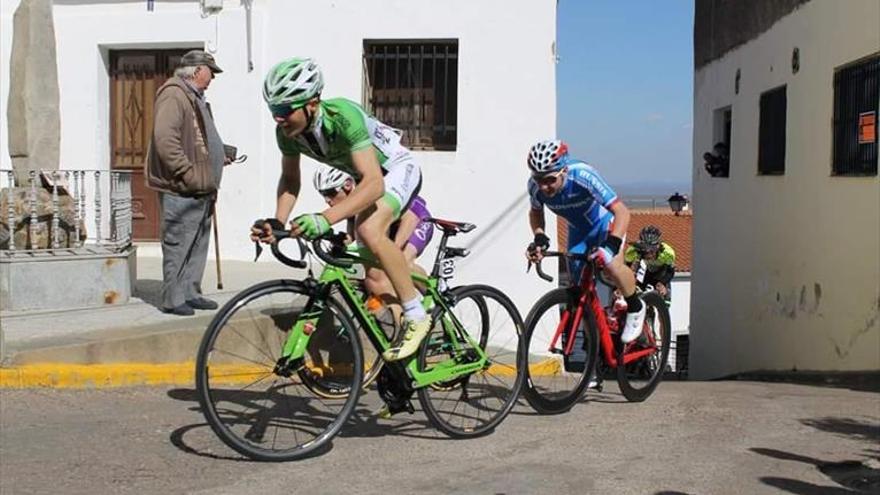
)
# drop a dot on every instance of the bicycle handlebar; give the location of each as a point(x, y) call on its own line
point(337, 249)
point(327, 256)
point(555, 254)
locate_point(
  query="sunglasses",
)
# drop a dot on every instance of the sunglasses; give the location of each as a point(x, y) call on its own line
point(548, 180)
point(282, 112)
point(329, 193)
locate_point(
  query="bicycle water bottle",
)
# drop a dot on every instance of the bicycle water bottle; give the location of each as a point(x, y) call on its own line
point(383, 315)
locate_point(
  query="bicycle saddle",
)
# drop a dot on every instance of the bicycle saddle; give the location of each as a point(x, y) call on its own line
point(451, 227)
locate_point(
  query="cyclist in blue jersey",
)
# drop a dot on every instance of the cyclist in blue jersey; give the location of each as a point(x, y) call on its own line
point(595, 215)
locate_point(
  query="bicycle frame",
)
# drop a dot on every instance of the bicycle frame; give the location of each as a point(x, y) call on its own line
point(334, 276)
point(588, 299)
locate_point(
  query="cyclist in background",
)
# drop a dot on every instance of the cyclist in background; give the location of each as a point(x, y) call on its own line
point(659, 258)
point(412, 233)
point(596, 218)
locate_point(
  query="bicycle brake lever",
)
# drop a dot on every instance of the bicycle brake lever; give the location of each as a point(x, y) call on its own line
point(258, 249)
point(528, 266)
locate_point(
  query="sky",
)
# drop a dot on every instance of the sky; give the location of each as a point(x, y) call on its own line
point(625, 87)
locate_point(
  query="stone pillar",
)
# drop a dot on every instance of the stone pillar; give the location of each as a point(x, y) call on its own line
point(32, 115)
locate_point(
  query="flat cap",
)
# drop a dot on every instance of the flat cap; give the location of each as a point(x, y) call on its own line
point(195, 58)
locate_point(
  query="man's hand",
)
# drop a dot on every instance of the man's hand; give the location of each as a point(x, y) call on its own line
point(261, 231)
point(535, 251)
point(310, 226)
point(607, 251)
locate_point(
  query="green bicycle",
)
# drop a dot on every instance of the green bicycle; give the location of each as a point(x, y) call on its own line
point(280, 368)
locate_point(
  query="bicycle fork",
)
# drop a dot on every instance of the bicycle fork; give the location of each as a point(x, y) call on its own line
point(293, 353)
point(570, 331)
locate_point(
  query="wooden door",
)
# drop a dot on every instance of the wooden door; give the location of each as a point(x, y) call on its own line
point(135, 75)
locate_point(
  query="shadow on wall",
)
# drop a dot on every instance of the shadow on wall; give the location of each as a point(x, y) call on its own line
point(850, 476)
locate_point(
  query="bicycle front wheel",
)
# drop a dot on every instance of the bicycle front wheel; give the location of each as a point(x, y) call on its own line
point(475, 404)
point(256, 408)
point(558, 371)
point(638, 379)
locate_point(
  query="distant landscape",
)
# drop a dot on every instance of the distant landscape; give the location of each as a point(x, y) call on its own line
point(654, 193)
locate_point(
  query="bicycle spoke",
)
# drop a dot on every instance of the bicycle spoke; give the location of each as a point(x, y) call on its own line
point(268, 365)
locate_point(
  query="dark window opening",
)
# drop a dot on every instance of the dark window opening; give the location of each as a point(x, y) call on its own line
point(412, 85)
point(717, 161)
point(771, 132)
point(856, 112)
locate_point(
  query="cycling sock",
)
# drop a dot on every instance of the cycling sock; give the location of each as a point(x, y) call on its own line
point(633, 303)
point(413, 310)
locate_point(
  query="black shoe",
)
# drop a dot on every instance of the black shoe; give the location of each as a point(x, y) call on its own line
point(202, 303)
point(182, 310)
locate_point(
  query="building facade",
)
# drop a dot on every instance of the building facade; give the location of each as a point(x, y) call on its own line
point(786, 268)
point(453, 77)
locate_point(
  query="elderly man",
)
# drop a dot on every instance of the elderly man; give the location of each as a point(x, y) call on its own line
point(185, 163)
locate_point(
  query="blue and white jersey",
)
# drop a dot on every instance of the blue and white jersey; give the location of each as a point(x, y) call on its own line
point(584, 201)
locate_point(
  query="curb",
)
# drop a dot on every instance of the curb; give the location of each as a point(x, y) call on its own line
point(63, 375)
point(83, 376)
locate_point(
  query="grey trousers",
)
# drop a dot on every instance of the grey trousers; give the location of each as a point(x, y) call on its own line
point(186, 227)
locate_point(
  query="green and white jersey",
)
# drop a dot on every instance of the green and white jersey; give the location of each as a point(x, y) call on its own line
point(341, 126)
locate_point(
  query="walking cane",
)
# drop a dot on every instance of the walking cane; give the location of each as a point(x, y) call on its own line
point(217, 248)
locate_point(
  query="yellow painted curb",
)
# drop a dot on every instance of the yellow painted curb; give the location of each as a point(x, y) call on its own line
point(62, 375)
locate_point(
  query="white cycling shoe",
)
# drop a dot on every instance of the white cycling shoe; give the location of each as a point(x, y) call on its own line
point(633, 327)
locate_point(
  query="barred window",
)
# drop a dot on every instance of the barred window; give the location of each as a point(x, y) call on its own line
point(412, 85)
point(856, 112)
point(771, 132)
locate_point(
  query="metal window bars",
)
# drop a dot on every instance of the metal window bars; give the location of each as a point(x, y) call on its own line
point(412, 85)
point(88, 190)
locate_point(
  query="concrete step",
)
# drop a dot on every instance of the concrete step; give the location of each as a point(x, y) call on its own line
point(155, 344)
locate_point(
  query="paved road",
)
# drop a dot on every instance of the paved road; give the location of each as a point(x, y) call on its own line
point(691, 437)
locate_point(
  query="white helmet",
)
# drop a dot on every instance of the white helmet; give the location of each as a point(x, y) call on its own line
point(547, 156)
point(327, 177)
point(293, 83)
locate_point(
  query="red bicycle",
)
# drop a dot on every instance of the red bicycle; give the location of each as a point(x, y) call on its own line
point(564, 331)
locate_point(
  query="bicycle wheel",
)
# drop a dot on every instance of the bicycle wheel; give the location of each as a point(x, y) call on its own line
point(258, 411)
point(556, 380)
point(476, 404)
point(637, 380)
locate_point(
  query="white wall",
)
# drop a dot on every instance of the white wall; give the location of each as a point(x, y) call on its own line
point(786, 268)
point(680, 311)
point(482, 182)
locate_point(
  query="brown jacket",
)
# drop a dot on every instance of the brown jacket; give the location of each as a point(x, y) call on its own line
point(177, 157)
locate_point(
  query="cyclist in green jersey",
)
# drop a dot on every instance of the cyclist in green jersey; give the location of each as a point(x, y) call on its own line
point(339, 133)
point(659, 258)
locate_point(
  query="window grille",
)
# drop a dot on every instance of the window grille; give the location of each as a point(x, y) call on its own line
point(412, 85)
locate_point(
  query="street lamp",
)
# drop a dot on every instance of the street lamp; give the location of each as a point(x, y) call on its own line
point(677, 202)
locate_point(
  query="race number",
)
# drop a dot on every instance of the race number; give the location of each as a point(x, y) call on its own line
point(447, 268)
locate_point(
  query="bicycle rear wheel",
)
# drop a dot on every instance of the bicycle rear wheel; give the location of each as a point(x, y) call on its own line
point(555, 379)
point(255, 408)
point(637, 380)
point(475, 404)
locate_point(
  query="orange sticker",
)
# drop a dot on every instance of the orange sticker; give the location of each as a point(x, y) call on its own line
point(867, 127)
